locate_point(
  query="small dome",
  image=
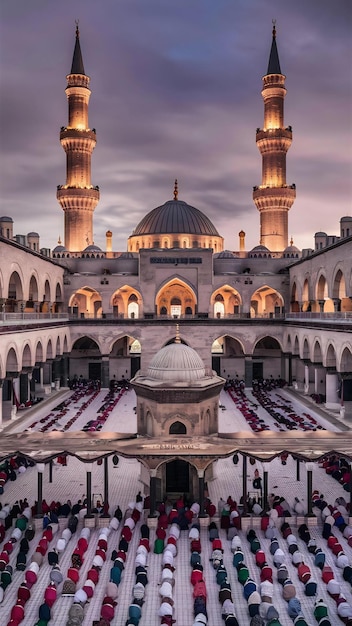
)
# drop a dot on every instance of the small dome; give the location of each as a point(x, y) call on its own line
point(33, 234)
point(59, 249)
point(128, 255)
point(92, 248)
point(320, 234)
point(260, 248)
point(291, 250)
point(176, 362)
point(346, 218)
point(225, 254)
point(6, 219)
point(175, 216)
point(260, 251)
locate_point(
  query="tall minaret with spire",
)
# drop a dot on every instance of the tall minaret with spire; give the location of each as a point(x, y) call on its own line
point(274, 198)
point(78, 197)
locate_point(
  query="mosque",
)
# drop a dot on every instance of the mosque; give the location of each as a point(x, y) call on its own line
point(176, 314)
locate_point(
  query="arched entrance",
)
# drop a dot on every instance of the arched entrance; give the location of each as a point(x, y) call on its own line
point(177, 478)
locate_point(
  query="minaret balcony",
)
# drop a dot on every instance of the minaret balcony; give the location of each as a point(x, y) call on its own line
point(274, 133)
point(71, 194)
point(268, 197)
point(77, 133)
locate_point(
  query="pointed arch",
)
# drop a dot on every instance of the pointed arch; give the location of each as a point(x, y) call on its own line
point(225, 301)
point(86, 301)
point(266, 302)
point(317, 352)
point(330, 358)
point(127, 302)
point(26, 356)
point(169, 291)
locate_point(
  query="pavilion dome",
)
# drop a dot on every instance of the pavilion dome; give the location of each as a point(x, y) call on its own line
point(176, 362)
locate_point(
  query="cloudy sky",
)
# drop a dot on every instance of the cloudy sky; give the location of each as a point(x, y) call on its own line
point(176, 94)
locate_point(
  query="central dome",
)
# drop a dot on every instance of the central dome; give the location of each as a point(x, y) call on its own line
point(176, 362)
point(176, 217)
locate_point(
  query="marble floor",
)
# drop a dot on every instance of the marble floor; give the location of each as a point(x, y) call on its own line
point(126, 480)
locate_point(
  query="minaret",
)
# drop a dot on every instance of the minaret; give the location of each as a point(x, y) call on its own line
point(273, 198)
point(78, 197)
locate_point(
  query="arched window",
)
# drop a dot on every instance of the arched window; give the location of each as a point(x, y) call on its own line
point(163, 310)
point(177, 428)
point(176, 307)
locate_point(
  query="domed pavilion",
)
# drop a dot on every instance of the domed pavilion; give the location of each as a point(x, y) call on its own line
point(176, 395)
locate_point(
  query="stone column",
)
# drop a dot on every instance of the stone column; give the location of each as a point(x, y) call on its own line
point(15, 395)
point(105, 371)
point(88, 467)
point(56, 373)
point(64, 370)
point(152, 493)
point(248, 371)
point(332, 385)
point(201, 492)
point(337, 304)
point(306, 379)
point(244, 484)
point(40, 471)
point(319, 378)
point(265, 503)
point(321, 305)
point(106, 480)
point(309, 467)
point(1, 384)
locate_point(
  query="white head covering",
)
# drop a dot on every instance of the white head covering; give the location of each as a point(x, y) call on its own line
point(80, 596)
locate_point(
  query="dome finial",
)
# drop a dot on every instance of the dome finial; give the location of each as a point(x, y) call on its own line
point(176, 190)
point(291, 241)
point(177, 338)
point(274, 28)
point(77, 29)
point(59, 241)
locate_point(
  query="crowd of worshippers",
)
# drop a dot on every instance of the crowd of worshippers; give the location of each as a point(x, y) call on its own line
point(10, 468)
point(339, 468)
point(258, 384)
point(78, 382)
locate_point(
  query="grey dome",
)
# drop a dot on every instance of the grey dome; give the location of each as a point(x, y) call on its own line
point(6, 219)
point(225, 254)
point(33, 234)
point(128, 255)
point(176, 362)
point(92, 248)
point(175, 216)
point(260, 248)
point(59, 249)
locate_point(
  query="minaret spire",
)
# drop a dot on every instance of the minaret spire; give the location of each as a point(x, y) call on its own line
point(77, 60)
point(78, 198)
point(273, 198)
point(274, 63)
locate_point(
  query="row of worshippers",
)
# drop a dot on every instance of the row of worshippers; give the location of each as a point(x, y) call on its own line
point(229, 514)
point(11, 468)
point(141, 577)
point(31, 573)
point(339, 468)
point(199, 592)
point(169, 554)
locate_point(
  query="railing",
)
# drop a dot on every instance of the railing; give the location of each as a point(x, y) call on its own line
point(341, 316)
point(16, 318)
point(28, 318)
